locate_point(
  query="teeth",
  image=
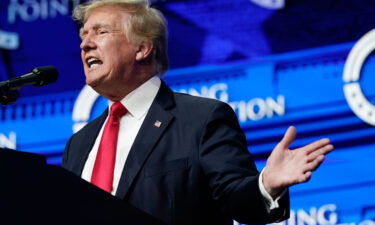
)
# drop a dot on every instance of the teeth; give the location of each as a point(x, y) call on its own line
point(93, 62)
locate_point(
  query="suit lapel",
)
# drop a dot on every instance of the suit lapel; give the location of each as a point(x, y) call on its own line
point(157, 120)
point(88, 134)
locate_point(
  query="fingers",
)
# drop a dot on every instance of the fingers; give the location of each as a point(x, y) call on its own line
point(316, 158)
point(307, 176)
point(321, 151)
point(313, 165)
point(317, 145)
point(304, 177)
point(288, 138)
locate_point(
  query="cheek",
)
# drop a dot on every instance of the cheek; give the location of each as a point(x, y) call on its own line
point(83, 58)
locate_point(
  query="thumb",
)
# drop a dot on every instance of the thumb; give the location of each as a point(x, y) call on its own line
point(288, 138)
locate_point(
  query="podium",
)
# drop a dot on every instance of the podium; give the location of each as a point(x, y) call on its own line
point(33, 192)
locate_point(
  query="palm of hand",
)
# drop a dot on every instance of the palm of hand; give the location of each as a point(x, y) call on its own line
point(287, 167)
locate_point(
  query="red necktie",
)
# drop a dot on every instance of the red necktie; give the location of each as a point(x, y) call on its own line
point(102, 174)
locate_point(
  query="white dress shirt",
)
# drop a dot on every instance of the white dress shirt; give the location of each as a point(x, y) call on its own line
point(138, 102)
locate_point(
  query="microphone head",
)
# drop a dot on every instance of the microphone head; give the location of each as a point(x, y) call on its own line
point(45, 74)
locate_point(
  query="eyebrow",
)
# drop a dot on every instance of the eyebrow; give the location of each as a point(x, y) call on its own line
point(95, 27)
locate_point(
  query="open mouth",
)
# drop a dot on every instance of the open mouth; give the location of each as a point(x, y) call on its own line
point(93, 62)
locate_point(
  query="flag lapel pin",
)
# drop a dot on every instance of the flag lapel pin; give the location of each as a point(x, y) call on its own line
point(157, 123)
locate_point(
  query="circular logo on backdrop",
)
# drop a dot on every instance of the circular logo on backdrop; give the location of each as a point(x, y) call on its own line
point(83, 107)
point(352, 72)
point(270, 4)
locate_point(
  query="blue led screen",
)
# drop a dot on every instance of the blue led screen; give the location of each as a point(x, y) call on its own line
point(276, 62)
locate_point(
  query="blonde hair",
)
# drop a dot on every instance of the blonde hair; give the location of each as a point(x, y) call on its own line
point(145, 24)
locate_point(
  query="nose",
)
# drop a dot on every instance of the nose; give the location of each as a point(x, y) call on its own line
point(87, 43)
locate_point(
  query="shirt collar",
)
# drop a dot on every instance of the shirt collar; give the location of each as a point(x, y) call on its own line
point(139, 101)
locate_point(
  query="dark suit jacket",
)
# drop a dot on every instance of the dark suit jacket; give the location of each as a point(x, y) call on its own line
point(193, 169)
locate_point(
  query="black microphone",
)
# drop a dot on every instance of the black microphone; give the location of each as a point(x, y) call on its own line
point(37, 77)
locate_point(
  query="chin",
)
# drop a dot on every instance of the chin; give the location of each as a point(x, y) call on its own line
point(92, 83)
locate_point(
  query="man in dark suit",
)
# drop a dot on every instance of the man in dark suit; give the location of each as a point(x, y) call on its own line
point(180, 158)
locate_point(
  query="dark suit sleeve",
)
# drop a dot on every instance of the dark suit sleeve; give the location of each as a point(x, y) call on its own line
point(66, 153)
point(231, 172)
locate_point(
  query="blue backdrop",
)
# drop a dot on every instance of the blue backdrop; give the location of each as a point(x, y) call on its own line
point(307, 63)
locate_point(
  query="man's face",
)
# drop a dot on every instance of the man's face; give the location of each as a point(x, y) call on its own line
point(107, 55)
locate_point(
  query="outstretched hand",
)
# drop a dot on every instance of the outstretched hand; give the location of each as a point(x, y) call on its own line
point(287, 167)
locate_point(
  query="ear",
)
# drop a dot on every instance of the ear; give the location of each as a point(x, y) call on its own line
point(144, 50)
